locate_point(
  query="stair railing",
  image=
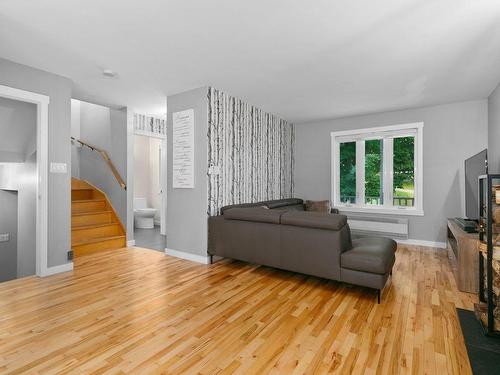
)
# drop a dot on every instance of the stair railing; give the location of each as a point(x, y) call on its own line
point(106, 159)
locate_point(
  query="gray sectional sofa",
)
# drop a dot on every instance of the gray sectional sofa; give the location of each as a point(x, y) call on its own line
point(281, 234)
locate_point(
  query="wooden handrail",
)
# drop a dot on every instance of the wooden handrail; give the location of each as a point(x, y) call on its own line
point(106, 158)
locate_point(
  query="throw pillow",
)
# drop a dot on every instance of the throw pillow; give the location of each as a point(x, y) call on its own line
point(318, 206)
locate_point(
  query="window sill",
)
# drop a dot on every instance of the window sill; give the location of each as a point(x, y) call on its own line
point(384, 211)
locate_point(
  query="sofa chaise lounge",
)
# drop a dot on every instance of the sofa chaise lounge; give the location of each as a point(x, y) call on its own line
point(281, 234)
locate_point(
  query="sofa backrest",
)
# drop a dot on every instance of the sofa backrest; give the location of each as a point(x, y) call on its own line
point(291, 203)
point(255, 214)
point(316, 220)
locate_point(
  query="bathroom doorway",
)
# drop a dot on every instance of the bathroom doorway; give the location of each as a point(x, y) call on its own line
point(149, 192)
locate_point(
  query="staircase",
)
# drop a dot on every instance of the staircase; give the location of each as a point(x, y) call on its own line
point(95, 226)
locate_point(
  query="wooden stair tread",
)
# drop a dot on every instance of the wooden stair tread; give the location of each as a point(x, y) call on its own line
point(89, 200)
point(95, 224)
point(91, 226)
point(83, 213)
point(96, 240)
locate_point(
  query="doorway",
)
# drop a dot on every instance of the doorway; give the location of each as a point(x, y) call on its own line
point(23, 181)
point(149, 197)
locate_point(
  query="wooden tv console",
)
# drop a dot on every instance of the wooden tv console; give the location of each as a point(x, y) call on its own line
point(464, 257)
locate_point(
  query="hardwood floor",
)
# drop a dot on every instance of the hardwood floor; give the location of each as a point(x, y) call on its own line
point(139, 311)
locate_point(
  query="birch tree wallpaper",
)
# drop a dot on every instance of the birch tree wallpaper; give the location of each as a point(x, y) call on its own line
point(253, 149)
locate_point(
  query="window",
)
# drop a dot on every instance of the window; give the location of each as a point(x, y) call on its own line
point(378, 169)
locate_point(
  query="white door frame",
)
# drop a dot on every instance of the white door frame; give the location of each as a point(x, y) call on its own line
point(42, 159)
point(163, 186)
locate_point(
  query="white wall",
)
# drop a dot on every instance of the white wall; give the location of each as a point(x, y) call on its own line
point(494, 131)
point(452, 133)
point(141, 167)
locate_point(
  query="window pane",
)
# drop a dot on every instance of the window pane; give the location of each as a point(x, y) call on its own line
point(374, 186)
point(404, 172)
point(348, 172)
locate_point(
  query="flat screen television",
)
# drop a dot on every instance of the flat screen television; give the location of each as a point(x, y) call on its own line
point(475, 166)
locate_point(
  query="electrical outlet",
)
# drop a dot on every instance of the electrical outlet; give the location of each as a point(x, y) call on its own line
point(4, 237)
point(70, 255)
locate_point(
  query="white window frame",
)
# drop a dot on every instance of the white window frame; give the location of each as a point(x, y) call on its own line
point(387, 133)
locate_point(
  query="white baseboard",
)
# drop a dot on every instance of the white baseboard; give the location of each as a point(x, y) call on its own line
point(204, 259)
point(440, 245)
point(130, 243)
point(57, 269)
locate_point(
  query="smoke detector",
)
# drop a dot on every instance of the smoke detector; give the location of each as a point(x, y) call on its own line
point(108, 73)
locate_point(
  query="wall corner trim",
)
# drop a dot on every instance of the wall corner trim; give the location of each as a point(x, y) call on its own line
point(57, 269)
point(131, 243)
point(204, 259)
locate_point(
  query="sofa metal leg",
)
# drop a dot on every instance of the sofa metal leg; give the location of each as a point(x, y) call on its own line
point(378, 296)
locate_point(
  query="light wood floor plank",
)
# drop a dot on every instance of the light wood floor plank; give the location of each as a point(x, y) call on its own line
point(138, 311)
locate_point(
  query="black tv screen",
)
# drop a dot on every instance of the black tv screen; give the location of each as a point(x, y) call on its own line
point(475, 166)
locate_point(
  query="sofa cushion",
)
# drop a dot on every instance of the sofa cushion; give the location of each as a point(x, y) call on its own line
point(294, 203)
point(370, 254)
point(241, 205)
point(318, 220)
point(318, 206)
point(279, 203)
point(256, 214)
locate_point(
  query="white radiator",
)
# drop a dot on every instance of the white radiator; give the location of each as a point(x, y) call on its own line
point(396, 228)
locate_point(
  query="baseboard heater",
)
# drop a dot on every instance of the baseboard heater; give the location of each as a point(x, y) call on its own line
point(362, 226)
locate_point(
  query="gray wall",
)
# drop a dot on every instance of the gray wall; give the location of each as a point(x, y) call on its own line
point(21, 179)
point(130, 174)
point(26, 220)
point(452, 133)
point(187, 208)
point(494, 131)
point(106, 129)
point(17, 130)
point(59, 90)
point(75, 133)
point(8, 224)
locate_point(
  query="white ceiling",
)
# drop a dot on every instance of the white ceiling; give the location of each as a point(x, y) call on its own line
point(17, 129)
point(303, 60)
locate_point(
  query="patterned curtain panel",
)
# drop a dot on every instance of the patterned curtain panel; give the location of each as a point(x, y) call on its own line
point(253, 151)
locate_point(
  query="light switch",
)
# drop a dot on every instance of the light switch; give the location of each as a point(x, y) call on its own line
point(4, 237)
point(58, 168)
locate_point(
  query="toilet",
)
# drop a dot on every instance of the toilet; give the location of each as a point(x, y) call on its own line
point(143, 216)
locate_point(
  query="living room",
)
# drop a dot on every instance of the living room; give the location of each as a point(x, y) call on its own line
point(328, 191)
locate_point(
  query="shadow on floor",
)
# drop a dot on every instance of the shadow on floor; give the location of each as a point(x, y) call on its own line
point(150, 239)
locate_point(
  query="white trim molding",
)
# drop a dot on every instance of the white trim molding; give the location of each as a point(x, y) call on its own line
point(67, 267)
point(387, 134)
point(204, 259)
point(131, 243)
point(42, 103)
